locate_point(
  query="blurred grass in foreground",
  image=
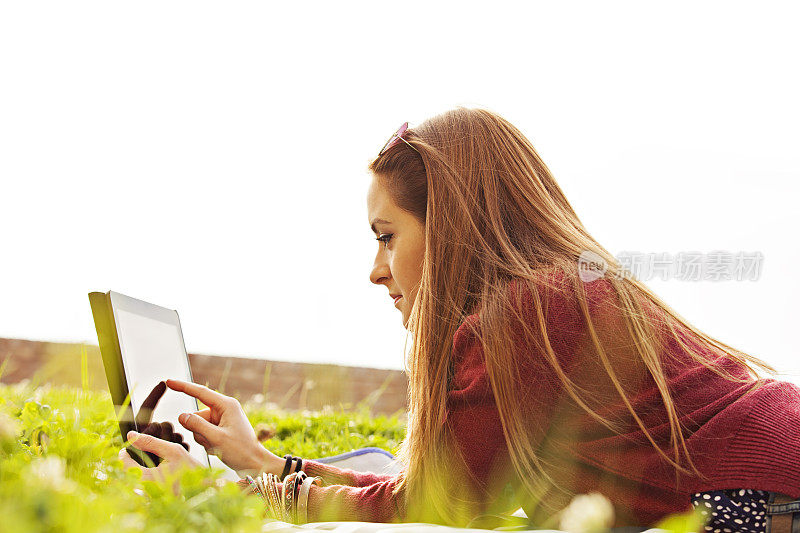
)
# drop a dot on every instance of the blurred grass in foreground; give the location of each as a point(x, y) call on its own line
point(59, 469)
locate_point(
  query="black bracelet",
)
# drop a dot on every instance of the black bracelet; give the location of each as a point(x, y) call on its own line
point(299, 464)
point(287, 466)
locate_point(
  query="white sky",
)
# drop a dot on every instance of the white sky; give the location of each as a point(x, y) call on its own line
point(211, 157)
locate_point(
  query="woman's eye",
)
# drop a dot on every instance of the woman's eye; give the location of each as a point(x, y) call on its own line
point(385, 238)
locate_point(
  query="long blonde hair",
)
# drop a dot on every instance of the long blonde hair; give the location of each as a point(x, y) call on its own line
point(494, 214)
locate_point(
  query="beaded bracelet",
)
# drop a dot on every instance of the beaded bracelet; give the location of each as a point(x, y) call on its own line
point(246, 486)
point(255, 488)
point(284, 497)
point(289, 485)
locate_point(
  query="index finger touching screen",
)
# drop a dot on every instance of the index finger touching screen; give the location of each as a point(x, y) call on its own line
point(151, 344)
point(204, 394)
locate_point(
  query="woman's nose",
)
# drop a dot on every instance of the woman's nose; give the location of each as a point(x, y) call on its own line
point(380, 273)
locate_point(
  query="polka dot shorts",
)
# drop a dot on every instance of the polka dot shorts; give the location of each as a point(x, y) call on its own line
point(735, 510)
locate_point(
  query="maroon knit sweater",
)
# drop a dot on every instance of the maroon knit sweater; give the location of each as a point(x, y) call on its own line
point(737, 439)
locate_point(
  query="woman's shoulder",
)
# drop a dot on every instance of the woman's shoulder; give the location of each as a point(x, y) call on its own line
point(558, 315)
point(555, 287)
point(562, 324)
point(559, 291)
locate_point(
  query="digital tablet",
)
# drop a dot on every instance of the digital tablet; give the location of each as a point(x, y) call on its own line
point(142, 345)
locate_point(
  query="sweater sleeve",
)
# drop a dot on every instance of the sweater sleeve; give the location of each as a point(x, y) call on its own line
point(368, 503)
point(333, 475)
point(347, 495)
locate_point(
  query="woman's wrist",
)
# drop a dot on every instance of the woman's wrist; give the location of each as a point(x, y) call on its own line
point(266, 461)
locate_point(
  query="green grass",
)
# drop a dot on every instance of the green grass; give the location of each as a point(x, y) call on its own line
point(59, 469)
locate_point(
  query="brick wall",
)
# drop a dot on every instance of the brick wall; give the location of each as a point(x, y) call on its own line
point(287, 384)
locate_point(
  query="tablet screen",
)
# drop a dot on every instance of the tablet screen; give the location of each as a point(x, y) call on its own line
point(152, 348)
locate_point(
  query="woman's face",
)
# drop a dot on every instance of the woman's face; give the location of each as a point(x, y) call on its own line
point(398, 264)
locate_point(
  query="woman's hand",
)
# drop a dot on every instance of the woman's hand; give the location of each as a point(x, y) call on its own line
point(163, 430)
point(224, 430)
point(173, 456)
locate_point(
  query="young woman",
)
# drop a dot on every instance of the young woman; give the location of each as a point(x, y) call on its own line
point(529, 381)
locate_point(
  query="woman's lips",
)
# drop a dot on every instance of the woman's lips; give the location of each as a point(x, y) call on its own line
point(397, 300)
